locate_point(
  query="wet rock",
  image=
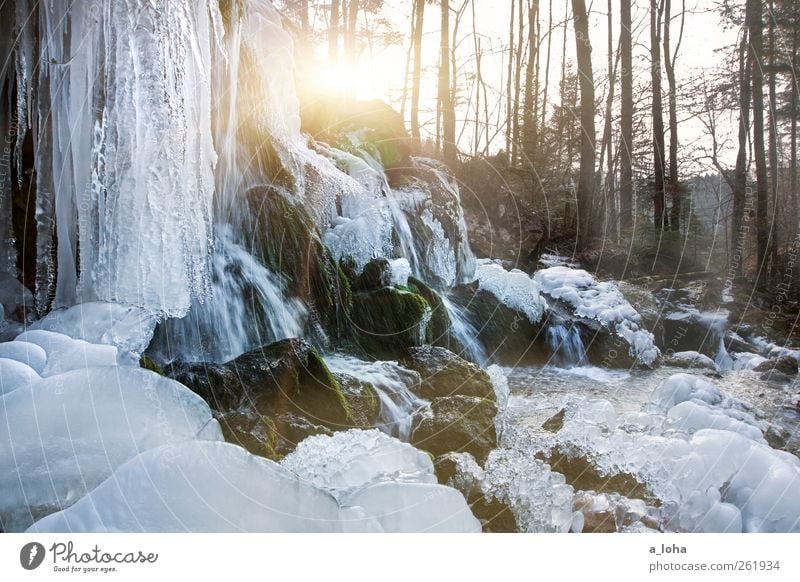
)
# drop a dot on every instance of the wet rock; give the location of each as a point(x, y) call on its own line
point(556, 422)
point(692, 360)
point(376, 274)
point(784, 364)
point(456, 424)
point(507, 335)
point(644, 303)
point(389, 320)
point(776, 377)
point(269, 399)
point(444, 373)
point(459, 470)
point(288, 241)
point(16, 301)
point(440, 320)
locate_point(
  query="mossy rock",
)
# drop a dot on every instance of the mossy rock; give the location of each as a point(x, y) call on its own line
point(271, 398)
point(387, 321)
point(288, 241)
point(507, 335)
point(495, 516)
point(376, 274)
point(362, 399)
point(444, 373)
point(457, 424)
point(784, 364)
point(440, 319)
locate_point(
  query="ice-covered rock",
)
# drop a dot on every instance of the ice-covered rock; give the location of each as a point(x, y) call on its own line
point(65, 354)
point(601, 301)
point(26, 352)
point(126, 327)
point(65, 434)
point(513, 288)
point(14, 375)
point(690, 359)
point(349, 460)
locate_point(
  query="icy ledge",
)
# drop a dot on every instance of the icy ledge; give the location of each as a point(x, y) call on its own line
point(601, 301)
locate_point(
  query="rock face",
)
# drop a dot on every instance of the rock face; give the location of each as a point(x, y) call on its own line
point(289, 242)
point(457, 423)
point(462, 408)
point(389, 320)
point(270, 399)
point(444, 373)
point(784, 364)
point(506, 334)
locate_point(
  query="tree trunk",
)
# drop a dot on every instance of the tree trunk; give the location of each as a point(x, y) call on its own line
point(449, 151)
point(583, 50)
point(515, 141)
point(350, 42)
point(793, 163)
point(333, 33)
point(669, 65)
point(739, 230)
point(543, 120)
point(773, 140)
point(509, 85)
point(415, 84)
point(756, 26)
point(658, 121)
point(626, 118)
point(528, 123)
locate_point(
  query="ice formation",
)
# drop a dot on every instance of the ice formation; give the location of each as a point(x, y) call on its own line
point(65, 354)
point(697, 449)
point(601, 301)
point(138, 177)
point(512, 288)
point(65, 434)
point(14, 375)
point(26, 352)
point(353, 459)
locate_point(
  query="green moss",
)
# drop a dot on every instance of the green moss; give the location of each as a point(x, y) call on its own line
point(439, 326)
point(387, 321)
point(149, 364)
point(290, 243)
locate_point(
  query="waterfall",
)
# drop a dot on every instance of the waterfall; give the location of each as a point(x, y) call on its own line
point(465, 333)
point(392, 383)
point(566, 344)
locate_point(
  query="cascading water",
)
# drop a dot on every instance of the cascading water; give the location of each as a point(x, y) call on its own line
point(566, 344)
point(392, 384)
point(465, 333)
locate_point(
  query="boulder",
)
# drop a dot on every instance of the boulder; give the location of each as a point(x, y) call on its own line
point(288, 241)
point(444, 374)
point(376, 274)
point(694, 360)
point(271, 398)
point(784, 364)
point(456, 424)
point(389, 320)
point(440, 320)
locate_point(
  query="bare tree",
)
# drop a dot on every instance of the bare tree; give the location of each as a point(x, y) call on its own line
point(626, 117)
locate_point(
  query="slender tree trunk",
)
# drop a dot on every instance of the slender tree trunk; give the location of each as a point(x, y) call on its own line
point(756, 26)
point(409, 57)
point(657, 112)
point(626, 118)
point(586, 182)
point(449, 151)
point(528, 122)
point(509, 85)
point(415, 84)
point(515, 139)
point(562, 94)
point(608, 142)
point(333, 33)
point(739, 230)
point(793, 162)
point(478, 81)
point(669, 65)
point(773, 140)
point(543, 120)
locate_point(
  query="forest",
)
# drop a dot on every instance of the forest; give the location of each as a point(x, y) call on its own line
point(399, 266)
